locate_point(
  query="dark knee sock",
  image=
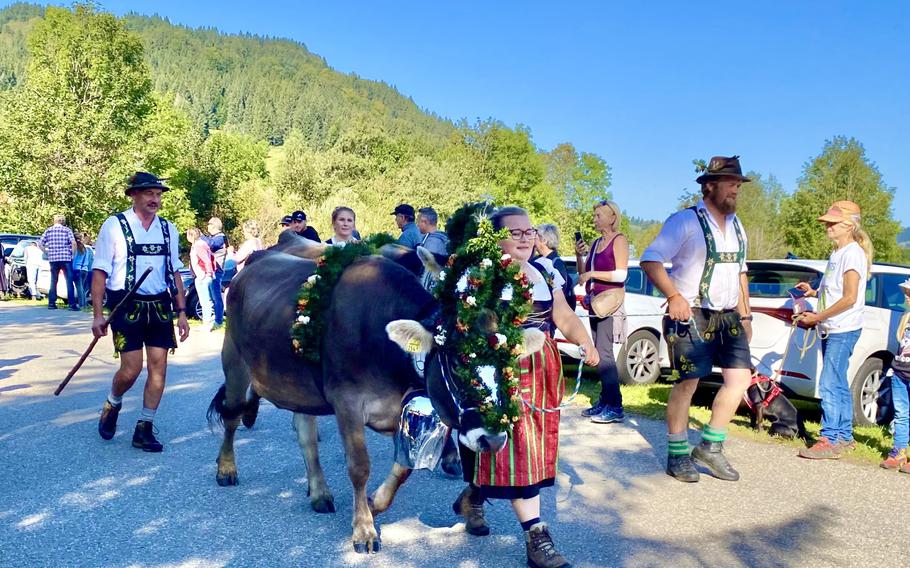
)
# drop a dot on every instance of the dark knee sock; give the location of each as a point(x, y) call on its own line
point(526, 526)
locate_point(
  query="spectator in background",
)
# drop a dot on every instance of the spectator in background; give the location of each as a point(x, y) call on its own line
point(432, 239)
point(343, 220)
point(547, 246)
point(605, 266)
point(218, 243)
point(202, 263)
point(900, 391)
point(33, 259)
point(4, 286)
point(251, 243)
point(82, 269)
point(404, 218)
point(299, 226)
point(59, 243)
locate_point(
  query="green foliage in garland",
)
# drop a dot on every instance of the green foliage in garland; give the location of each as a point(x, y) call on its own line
point(316, 293)
point(485, 330)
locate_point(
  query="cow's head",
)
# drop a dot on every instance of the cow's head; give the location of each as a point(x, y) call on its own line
point(444, 388)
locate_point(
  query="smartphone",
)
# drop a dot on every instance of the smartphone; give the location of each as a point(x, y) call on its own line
point(796, 293)
point(578, 238)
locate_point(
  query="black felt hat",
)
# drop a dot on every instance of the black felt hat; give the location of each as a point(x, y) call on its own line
point(722, 167)
point(145, 180)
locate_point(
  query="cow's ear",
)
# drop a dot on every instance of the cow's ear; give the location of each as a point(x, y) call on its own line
point(410, 336)
point(533, 341)
point(429, 261)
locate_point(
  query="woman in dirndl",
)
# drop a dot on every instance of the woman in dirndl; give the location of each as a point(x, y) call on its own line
point(528, 462)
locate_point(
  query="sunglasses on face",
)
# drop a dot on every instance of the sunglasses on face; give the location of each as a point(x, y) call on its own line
point(517, 234)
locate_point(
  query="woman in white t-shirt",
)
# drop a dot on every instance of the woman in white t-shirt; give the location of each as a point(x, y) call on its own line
point(839, 321)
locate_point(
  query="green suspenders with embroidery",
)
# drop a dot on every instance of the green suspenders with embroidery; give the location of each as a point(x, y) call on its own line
point(134, 249)
point(712, 256)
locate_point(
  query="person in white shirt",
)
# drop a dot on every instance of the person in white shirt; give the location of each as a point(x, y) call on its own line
point(839, 320)
point(127, 244)
point(708, 321)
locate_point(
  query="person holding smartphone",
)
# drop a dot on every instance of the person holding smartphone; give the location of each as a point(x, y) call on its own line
point(603, 265)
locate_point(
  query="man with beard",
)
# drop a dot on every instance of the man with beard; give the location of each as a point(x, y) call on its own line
point(708, 321)
point(128, 243)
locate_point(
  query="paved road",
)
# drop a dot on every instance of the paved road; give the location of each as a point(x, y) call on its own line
point(68, 498)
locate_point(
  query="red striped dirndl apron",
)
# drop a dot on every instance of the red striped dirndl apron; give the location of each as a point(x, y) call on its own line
point(529, 457)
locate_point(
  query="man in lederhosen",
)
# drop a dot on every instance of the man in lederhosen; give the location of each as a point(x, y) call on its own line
point(708, 321)
point(127, 244)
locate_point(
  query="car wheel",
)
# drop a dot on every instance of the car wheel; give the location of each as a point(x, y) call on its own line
point(193, 307)
point(865, 392)
point(639, 359)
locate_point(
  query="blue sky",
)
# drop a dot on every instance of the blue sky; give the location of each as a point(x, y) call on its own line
point(647, 85)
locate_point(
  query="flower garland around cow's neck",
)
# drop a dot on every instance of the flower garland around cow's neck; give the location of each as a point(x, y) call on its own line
point(314, 295)
point(471, 287)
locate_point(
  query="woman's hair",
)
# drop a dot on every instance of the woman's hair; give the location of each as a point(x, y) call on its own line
point(503, 212)
point(549, 234)
point(341, 209)
point(617, 214)
point(251, 227)
point(194, 232)
point(862, 238)
point(216, 224)
point(80, 246)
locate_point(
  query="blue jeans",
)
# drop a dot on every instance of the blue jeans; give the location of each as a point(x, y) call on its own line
point(833, 387)
point(900, 395)
point(82, 279)
point(67, 267)
point(217, 298)
point(203, 288)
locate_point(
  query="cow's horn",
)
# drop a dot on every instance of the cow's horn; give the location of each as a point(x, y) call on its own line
point(533, 341)
point(429, 261)
point(410, 336)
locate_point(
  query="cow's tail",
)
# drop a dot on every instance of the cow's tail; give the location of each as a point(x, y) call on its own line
point(219, 412)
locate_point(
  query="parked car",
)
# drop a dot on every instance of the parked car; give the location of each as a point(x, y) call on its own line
point(193, 307)
point(640, 359)
point(794, 353)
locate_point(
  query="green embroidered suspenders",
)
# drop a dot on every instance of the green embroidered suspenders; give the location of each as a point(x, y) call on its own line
point(134, 249)
point(712, 256)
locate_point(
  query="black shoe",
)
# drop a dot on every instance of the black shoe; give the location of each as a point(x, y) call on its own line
point(52, 307)
point(594, 410)
point(682, 468)
point(710, 455)
point(144, 437)
point(107, 424)
point(75, 309)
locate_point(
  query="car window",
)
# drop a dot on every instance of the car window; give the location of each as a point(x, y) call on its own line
point(892, 295)
point(872, 285)
point(572, 270)
point(635, 281)
point(767, 282)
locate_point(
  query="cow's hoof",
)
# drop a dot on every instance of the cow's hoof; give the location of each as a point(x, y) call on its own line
point(368, 547)
point(227, 479)
point(323, 505)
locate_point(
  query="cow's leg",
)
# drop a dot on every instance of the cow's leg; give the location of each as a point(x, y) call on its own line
point(321, 499)
point(236, 381)
point(385, 494)
point(351, 426)
point(251, 409)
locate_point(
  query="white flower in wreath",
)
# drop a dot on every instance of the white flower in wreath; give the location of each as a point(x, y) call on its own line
point(471, 301)
point(312, 279)
point(442, 276)
point(500, 339)
point(487, 263)
point(505, 257)
point(303, 319)
point(472, 356)
point(440, 338)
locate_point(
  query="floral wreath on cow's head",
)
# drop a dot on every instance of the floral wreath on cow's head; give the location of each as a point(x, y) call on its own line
point(470, 291)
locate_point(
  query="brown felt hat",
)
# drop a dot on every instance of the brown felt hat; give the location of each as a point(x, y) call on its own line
point(722, 167)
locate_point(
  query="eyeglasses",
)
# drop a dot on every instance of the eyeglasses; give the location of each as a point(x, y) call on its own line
point(517, 234)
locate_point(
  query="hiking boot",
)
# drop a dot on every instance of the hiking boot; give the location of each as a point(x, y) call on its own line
point(107, 424)
point(541, 552)
point(470, 506)
point(905, 468)
point(896, 459)
point(847, 446)
point(682, 468)
point(823, 449)
point(710, 455)
point(594, 410)
point(609, 416)
point(144, 437)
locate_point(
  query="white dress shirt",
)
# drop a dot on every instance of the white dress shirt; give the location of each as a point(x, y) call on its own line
point(111, 253)
point(681, 243)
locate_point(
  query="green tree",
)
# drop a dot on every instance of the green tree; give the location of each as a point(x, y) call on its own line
point(841, 171)
point(581, 181)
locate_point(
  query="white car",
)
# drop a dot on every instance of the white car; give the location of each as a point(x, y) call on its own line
point(643, 355)
point(794, 354)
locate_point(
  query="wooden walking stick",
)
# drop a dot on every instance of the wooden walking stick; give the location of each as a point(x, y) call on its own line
point(107, 322)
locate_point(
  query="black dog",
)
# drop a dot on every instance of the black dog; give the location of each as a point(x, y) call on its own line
point(766, 399)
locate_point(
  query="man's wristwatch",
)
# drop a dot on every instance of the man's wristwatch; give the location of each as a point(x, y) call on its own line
point(746, 318)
